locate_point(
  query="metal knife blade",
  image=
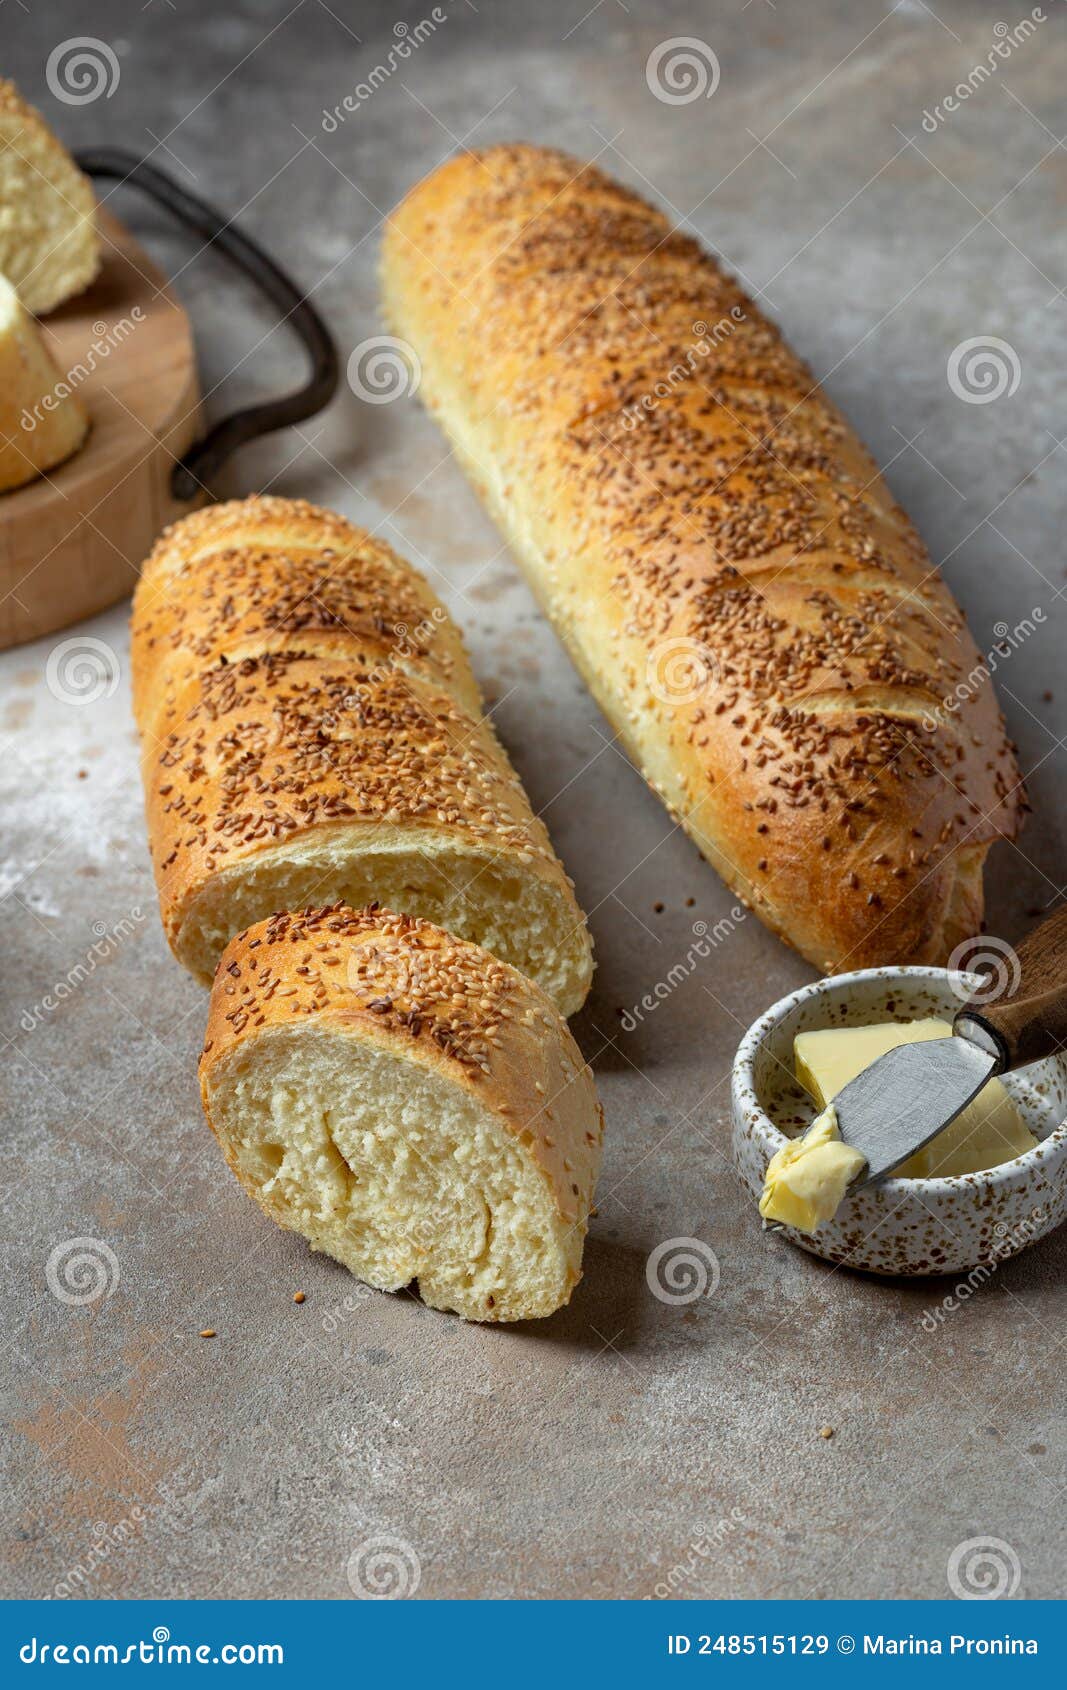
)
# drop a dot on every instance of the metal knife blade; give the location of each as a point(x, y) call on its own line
point(904, 1099)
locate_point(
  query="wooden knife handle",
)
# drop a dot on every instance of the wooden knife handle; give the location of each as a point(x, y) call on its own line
point(1029, 1021)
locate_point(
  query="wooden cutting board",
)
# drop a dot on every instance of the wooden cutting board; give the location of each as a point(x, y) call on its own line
point(72, 542)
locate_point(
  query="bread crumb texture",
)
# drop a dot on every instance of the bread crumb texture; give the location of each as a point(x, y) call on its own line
point(412, 1105)
point(49, 247)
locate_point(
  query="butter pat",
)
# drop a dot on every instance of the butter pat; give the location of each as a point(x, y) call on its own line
point(988, 1132)
point(807, 1178)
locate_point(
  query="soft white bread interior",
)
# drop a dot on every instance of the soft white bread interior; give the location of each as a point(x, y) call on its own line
point(311, 733)
point(409, 1104)
point(752, 610)
point(42, 421)
point(49, 247)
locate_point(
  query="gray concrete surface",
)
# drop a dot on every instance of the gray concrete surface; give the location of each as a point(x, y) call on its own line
point(625, 1447)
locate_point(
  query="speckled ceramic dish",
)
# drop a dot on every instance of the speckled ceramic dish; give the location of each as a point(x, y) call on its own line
point(908, 1226)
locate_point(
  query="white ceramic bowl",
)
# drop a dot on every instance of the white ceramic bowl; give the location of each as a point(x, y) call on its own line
point(906, 1226)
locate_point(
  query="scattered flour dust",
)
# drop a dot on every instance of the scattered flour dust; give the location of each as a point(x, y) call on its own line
point(69, 785)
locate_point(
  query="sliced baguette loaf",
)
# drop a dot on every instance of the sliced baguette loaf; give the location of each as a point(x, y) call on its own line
point(311, 731)
point(49, 247)
point(42, 421)
point(409, 1104)
point(730, 573)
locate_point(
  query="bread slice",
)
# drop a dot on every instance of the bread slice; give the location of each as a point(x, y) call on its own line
point(311, 733)
point(42, 421)
point(49, 247)
point(409, 1104)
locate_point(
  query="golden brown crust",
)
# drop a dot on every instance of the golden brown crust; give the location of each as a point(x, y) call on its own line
point(293, 679)
point(42, 420)
point(246, 579)
point(732, 576)
point(408, 986)
point(275, 748)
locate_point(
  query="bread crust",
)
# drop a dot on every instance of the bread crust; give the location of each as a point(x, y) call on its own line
point(244, 579)
point(405, 987)
point(31, 387)
point(405, 984)
point(754, 613)
point(299, 688)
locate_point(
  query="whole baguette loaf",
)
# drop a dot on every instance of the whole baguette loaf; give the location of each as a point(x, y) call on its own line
point(751, 609)
point(410, 1104)
point(311, 730)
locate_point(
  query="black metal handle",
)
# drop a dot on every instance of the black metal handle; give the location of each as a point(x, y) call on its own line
point(203, 459)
